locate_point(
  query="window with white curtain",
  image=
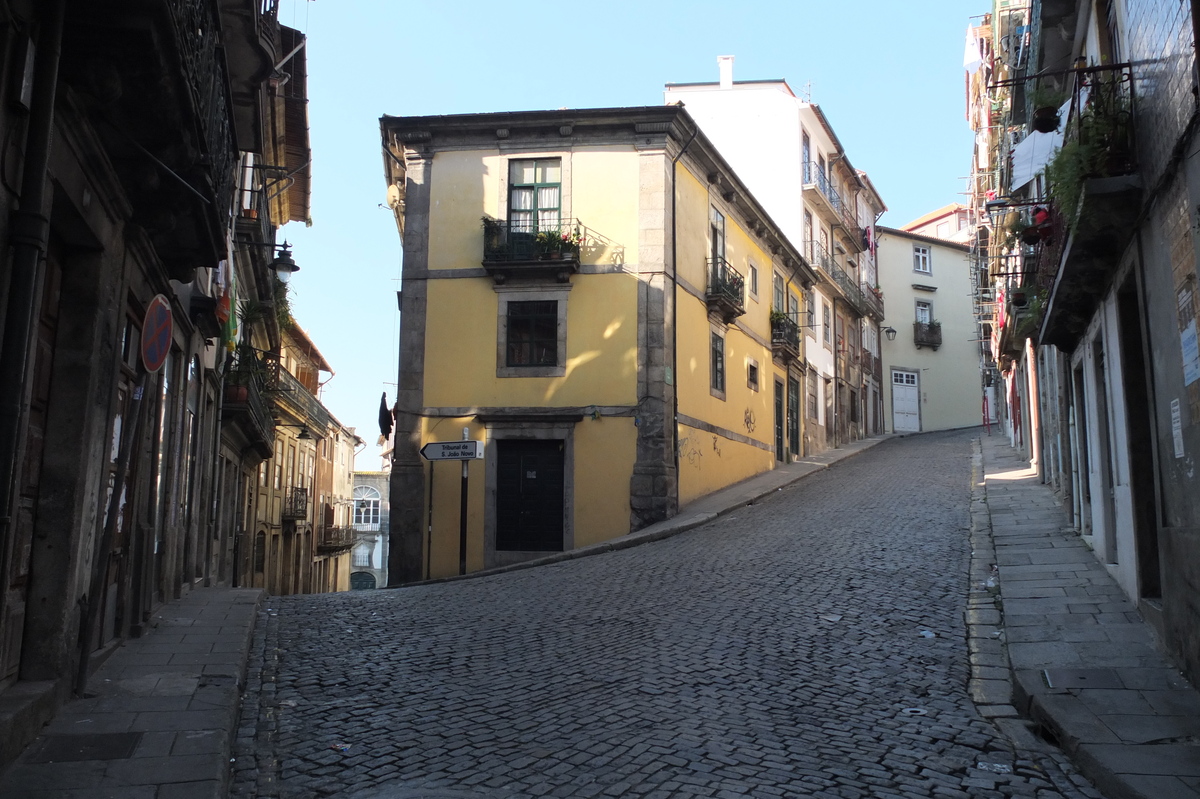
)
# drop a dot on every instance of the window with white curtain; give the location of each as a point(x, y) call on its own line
point(534, 194)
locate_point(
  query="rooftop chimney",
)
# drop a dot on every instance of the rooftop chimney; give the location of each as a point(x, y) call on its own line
point(725, 64)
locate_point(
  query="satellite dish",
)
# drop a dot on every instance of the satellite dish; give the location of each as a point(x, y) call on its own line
point(393, 196)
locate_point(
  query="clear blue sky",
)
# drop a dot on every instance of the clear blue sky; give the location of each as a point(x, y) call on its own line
point(887, 74)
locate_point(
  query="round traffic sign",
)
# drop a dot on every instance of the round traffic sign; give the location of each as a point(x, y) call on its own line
point(156, 333)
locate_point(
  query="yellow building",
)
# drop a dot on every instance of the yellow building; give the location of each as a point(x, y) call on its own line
point(590, 294)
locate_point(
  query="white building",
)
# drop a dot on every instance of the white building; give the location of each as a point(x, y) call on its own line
point(785, 150)
point(931, 367)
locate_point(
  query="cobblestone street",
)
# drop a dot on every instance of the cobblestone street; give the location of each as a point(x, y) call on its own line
point(809, 645)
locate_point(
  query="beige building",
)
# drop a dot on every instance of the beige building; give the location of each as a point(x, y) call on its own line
point(931, 364)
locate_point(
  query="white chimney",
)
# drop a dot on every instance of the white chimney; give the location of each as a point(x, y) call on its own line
point(725, 64)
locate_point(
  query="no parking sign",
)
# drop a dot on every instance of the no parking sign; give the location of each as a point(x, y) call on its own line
point(156, 334)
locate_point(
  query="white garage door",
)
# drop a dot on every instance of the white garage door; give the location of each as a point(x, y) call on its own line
point(906, 402)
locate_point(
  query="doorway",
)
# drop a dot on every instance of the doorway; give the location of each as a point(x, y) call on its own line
point(529, 495)
point(906, 402)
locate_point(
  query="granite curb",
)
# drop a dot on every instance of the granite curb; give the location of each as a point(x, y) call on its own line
point(697, 513)
point(1084, 670)
point(160, 714)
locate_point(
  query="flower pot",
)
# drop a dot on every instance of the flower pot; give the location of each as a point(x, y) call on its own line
point(1031, 235)
point(1045, 120)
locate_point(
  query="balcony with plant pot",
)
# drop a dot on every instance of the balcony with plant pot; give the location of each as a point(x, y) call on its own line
point(726, 291)
point(538, 250)
point(927, 334)
point(1094, 182)
point(785, 336)
point(246, 407)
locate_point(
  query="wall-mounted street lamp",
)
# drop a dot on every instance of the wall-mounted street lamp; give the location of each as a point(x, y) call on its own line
point(283, 265)
point(303, 435)
point(890, 332)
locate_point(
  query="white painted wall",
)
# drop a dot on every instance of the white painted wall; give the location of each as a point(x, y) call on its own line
point(951, 395)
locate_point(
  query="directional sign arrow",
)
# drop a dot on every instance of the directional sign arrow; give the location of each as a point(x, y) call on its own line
point(453, 451)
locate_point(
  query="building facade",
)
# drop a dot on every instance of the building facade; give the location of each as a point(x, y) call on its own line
point(597, 297)
point(787, 152)
point(1086, 171)
point(929, 363)
point(372, 520)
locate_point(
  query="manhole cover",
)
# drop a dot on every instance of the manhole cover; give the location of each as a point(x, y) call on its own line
point(71, 748)
point(1082, 678)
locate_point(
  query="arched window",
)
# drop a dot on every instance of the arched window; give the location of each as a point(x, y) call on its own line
point(366, 508)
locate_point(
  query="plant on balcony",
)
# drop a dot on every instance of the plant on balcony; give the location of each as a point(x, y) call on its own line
point(1099, 149)
point(778, 317)
point(1046, 102)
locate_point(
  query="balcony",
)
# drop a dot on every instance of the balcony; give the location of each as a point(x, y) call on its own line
point(873, 300)
point(820, 194)
point(1095, 183)
point(295, 504)
point(818, 255)
point(335, 539)
point(533, 250)
point(301, 402)
point(785, 336)
point(245, 407)
point(726, 290)
point(927, 334)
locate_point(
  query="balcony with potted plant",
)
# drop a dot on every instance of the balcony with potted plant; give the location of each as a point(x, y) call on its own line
point(927, 334)
point(543, 250)
point(785, 335)
point(726, 290)
point(1094, 183)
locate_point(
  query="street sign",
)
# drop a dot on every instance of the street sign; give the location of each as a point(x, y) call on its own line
point(453, 451)
point(156, 334)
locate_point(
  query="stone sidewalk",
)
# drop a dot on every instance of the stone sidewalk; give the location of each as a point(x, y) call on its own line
point(160, 714)
point(1085, 666)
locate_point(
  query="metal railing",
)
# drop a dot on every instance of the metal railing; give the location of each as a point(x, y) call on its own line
point(725, 284)
point(197, 29)
point(1101, 117)
point(815, 176)
point(335, 539)
point(245, 397)
point(927, 334)
point(785, 333)
point(533, 241)
point(873, 299)
point(289, 389)
point(295, 504)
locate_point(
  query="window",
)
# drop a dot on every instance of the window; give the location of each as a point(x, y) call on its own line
point(777, 292)
point(753, 281)
point(366, 508)
point(278, 464)
point(814, 397)
point(362, 556)
point(810, 313)
point(924, 312)
point(921, 260)
point(793, 307)
point(533, 333)
point(808, 234)
point(827, 325)
point(793, 416)
point(752, 374)
point(717, 365)
point(716, 224)
point(534, 194)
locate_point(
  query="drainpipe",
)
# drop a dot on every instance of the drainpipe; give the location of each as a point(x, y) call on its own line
point(675, 313)
point(29, 232)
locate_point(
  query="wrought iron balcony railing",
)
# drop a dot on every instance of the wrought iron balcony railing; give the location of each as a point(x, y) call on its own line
point(246, 404)
point(785, 335)
point(288, 389)
point(873, 299)
point(335, 539)
point(533, 248)
point(927, 334)
point(295, 504)
point(815, 176)
point(726, 289)
point(818, 255)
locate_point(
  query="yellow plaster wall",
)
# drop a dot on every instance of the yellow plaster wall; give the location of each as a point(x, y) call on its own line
point(605, 450)
point(605, 182)
point(457, 206)
point(706, 465)
point(460, 347)
point(447, 482)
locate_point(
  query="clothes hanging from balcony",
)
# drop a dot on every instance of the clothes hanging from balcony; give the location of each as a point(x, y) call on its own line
point(385, 420)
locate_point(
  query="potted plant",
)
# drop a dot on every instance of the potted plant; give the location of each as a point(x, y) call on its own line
point(777, 317)
point(1046, 102)
point(549, 244)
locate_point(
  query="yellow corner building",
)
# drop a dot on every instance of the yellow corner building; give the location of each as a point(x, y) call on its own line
point(595, 296)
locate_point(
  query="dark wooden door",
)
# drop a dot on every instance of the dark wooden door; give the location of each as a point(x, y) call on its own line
point(529, 496)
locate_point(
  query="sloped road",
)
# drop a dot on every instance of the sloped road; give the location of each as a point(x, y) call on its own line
point(782, 650)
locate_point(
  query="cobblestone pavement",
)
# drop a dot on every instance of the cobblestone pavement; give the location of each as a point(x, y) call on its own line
point(809, 645)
